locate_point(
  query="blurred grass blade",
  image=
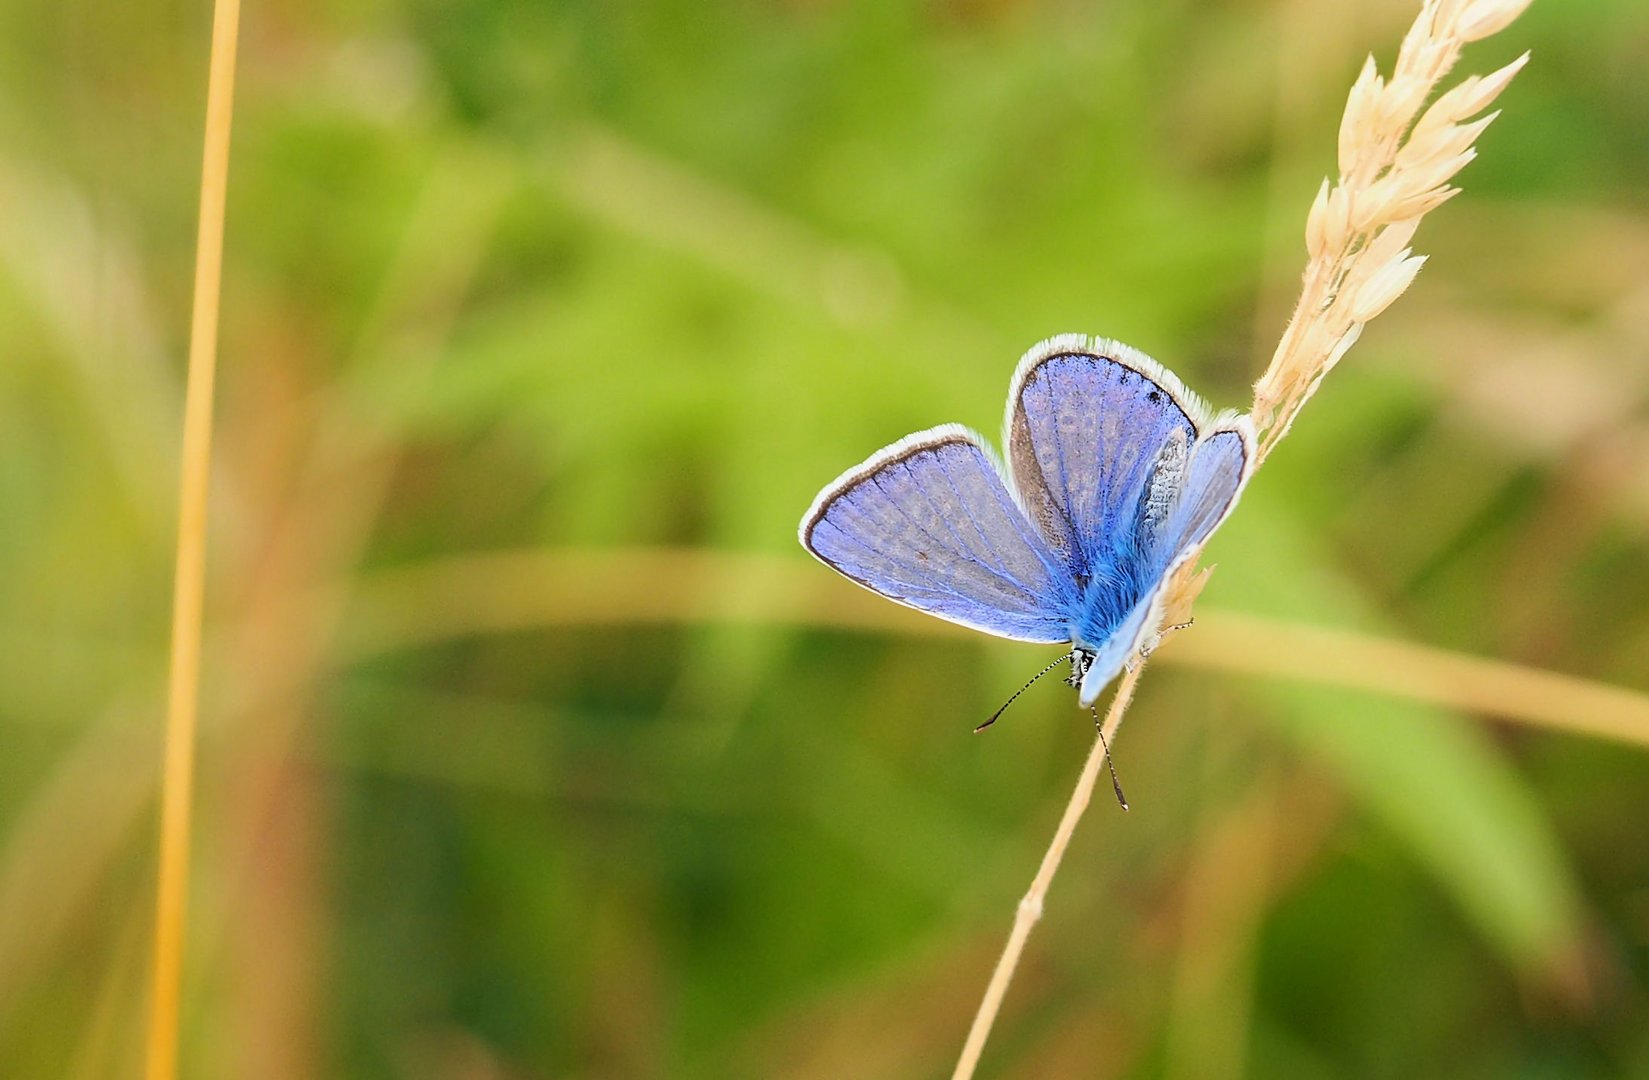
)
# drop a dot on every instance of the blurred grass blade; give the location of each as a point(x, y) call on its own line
point(1438, 783)
point(1255, 645)
point(503, 591)
point(1441, 785)
point(1433, 779)
point(1450, 795)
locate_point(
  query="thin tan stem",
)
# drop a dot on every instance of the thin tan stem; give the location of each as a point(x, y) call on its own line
point(177, 782)
point(1030, 908)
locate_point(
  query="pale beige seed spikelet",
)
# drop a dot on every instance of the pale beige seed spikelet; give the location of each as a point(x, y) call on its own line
point(1444, 140)
point(1488, 17)
point(1389, 245)
point(1389, 241)
point(1400, 102)
point(1337, 219)
point(1491, 86)
point(1328, 224)
point(1374, 204)
point(1316, 227)
point(1426, 176)
point(1423, 202)
point(1414, 42)
point(1360, 111)
point(1385, 285)
point(1472, 96)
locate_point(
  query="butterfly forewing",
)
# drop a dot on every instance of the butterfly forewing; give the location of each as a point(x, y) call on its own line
point(1084, 434)
point(929, 522)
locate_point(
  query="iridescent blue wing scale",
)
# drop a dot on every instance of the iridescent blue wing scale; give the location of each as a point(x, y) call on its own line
point(930, 522)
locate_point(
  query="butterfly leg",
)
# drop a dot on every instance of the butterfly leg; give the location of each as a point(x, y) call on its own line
point(1150, 645)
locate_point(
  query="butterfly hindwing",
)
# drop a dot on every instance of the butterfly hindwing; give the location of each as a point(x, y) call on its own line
point(1184, 501)
point(929, 522)
point(1214, 477)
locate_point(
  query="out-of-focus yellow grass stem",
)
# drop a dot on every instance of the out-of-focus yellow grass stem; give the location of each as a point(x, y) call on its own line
point(177, 783)
point(511, 591)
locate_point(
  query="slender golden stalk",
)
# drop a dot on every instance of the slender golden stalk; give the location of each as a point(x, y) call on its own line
point(1395, 165)
point(177, 783)
point(1030, 907)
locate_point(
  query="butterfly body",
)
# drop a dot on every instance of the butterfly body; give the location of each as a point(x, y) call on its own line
point(1115, 474)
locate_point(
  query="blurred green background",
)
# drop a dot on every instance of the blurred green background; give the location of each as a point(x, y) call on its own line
point(533, 744)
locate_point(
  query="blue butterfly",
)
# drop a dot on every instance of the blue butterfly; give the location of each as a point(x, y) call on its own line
point(1116, 475)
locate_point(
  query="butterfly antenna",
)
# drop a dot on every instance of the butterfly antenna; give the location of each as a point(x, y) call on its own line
point(1116, 785)
point(1016, 693)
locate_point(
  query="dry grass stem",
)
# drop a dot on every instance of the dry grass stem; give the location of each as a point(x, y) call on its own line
point(1395, 166)
point(177, 784)
point(1030, 908)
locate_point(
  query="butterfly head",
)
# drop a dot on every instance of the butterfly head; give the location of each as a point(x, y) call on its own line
point(1094, 666)
point(1082, 661)
point(1090, 673)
